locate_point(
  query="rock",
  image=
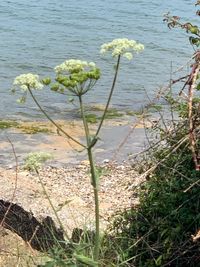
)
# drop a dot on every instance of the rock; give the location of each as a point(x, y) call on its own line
point(106, 161)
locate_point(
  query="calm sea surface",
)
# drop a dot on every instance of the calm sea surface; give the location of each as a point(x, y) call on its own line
point(35, 36)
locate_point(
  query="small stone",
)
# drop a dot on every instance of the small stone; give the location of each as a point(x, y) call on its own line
point(85, 162)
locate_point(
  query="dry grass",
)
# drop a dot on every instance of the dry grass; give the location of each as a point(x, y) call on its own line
point(14, 252)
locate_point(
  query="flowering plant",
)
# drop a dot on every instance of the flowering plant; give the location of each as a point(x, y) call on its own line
point(75, 75)
point(74, 66)
point(26, 81)
point(78, 77)
point(122, 47)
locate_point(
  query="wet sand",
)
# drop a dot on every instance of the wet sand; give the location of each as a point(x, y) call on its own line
point(118, 139)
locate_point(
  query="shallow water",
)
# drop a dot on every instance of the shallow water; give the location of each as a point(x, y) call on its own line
point(36, 36)
point(112, 146)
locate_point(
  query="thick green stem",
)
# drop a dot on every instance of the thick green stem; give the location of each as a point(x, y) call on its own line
point(87, 132)
point(94, 182)
point(52, 121)
point(110, 96)
point(90, 145)
point(95, 185)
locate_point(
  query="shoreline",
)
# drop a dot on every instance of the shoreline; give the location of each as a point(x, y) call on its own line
point(112, 145)
point(71, 193)
point(67, 182)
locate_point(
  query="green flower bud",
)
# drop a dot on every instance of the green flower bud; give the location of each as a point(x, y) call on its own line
point(61, 78)
point(94, 74)
point(46, 81)
point(69, 83)
point(55, 87)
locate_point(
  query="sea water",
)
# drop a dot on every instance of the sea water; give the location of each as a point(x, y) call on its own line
point(35, 36)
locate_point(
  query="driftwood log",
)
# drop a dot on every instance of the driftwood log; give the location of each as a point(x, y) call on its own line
point(41, 236)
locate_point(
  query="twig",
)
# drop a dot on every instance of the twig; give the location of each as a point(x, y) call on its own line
point(182, 141)
point(192, 84)
point(51, 204)
point(192, 185)
point(15, 183)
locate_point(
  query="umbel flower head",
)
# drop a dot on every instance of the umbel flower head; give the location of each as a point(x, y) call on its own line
point(74, 66)
point(29, 80)
point(76, 75)
point(25, 82)
point(122, 47)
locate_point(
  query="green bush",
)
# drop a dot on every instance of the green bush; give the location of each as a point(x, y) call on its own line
point(158, 232)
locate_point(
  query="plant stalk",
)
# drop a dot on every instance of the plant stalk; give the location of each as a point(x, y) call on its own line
point(52, 121)
point(94, 182)
point(95, 185)
point(110, 96)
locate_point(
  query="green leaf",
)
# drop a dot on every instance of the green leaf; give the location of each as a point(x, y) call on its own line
point(198, 87)
point(193, 29)
point(48, 264)
point(158, 261)
point(194, 41)
point(86, 260)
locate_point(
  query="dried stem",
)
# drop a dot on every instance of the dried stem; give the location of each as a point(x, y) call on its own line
point(15, 183)
point(192, 138)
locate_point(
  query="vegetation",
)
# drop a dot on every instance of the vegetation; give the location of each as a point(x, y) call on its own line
point(31, 129)
point(27, 128)
point(8, 124)
point(35, 160)
point(77, 78)
point(112, 113)
point(164, 228)
point(159, 231)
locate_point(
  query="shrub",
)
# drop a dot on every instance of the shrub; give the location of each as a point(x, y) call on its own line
point(158, 232)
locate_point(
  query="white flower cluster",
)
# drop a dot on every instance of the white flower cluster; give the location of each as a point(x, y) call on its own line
point(123, 47)
point(34, 160)
point(28, 80)
point(74, 65)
